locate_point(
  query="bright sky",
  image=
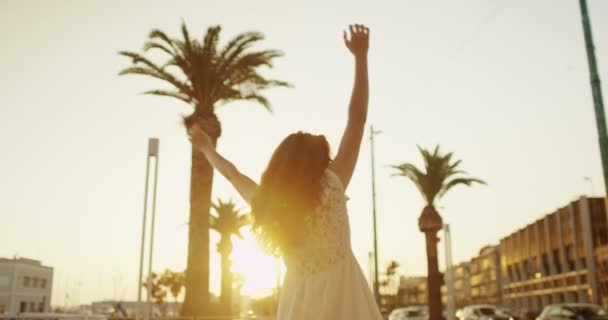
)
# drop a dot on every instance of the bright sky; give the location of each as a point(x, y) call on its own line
point(503, 84)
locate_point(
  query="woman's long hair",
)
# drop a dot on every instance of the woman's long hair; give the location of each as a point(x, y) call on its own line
point(284, 204)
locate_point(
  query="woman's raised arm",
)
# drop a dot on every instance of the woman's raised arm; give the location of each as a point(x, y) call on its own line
point(346, 158)
point(243, 184)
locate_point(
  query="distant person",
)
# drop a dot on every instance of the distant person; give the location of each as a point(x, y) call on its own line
point(299, 209)
point(119, 311)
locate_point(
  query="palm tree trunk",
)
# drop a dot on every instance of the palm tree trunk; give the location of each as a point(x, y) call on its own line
point(434, 281)
point(226, 290)
point(430, 223)
point(226, 296)
point(196, 299)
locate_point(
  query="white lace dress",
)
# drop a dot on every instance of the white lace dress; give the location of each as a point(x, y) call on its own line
point(323, 279)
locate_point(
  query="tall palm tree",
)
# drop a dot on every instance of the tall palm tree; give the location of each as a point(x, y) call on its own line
point(228, 221)
point(204, 75)
point(441, 174)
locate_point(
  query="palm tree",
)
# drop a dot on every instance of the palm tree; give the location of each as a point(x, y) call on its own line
point(173, 282)
point(441, 175)
point(388, 283)
point(157, 290)
point(204, 75)
point(391, 270)
point(227, 222)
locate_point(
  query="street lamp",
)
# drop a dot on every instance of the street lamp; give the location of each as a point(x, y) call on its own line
point(373, 132)
point(449, 273)
point(596, 90)
point(152, 153)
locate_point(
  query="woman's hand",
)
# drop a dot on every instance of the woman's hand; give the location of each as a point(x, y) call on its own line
point(358, 43)
point(199, 138)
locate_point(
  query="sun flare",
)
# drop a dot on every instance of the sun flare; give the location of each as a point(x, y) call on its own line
point(262, 272)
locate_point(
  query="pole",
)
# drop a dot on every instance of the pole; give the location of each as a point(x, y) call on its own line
point(154, 150)
point(449, 272)
point(143, 238)
point(370, 266)
point(596, 90)
point(376, 281)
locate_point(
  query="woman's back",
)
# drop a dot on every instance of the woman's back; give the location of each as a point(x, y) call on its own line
point(329, 237)
point(324, 280)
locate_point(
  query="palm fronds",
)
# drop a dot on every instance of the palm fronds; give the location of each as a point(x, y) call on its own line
point(228, 219)
point(201, 73)
point(440, 175)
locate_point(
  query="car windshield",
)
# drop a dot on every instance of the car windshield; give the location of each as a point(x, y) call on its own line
point(504, 313)
point(414, 313)
point(588, 311)
point(486, 311)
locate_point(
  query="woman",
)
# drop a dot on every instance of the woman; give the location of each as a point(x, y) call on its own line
point(299, 210)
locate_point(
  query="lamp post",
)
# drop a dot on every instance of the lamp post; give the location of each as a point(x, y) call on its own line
point(596, 90)
point(449, 275)
point(373, 132)
point(152, 153)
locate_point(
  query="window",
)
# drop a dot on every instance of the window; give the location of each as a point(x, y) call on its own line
point(32, 306)
point(23, 306)
point(486, 312)
point(43, 283)
point(4, 281)
point(3, 305)
point(485, 263)
point(35, 282)
point(26, 281)
point(557, 261)
point(545, 263)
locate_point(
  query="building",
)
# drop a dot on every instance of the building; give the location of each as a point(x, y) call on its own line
point(553, 259)
point(25, 286)
point(412, 291)
point(485, 284)
point(462, 284)
point(601, 262)
point(477, 281)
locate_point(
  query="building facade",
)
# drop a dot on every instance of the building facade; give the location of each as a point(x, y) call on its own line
point(475, 282)
point(485, 275)
point(601, 263)
point(553, 259)
point(25, 286)
point(461, 274)
point(412, 291)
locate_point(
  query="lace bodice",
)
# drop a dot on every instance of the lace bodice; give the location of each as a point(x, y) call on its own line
point(329, 239)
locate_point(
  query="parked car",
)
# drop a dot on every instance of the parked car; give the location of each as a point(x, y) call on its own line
point(410, 313)
point(518, 314)
point(482, 312)
point(573, 311)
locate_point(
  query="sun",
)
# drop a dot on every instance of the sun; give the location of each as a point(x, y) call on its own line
point(263, 273)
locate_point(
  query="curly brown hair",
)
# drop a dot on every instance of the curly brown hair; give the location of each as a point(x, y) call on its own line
point(283, 205)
